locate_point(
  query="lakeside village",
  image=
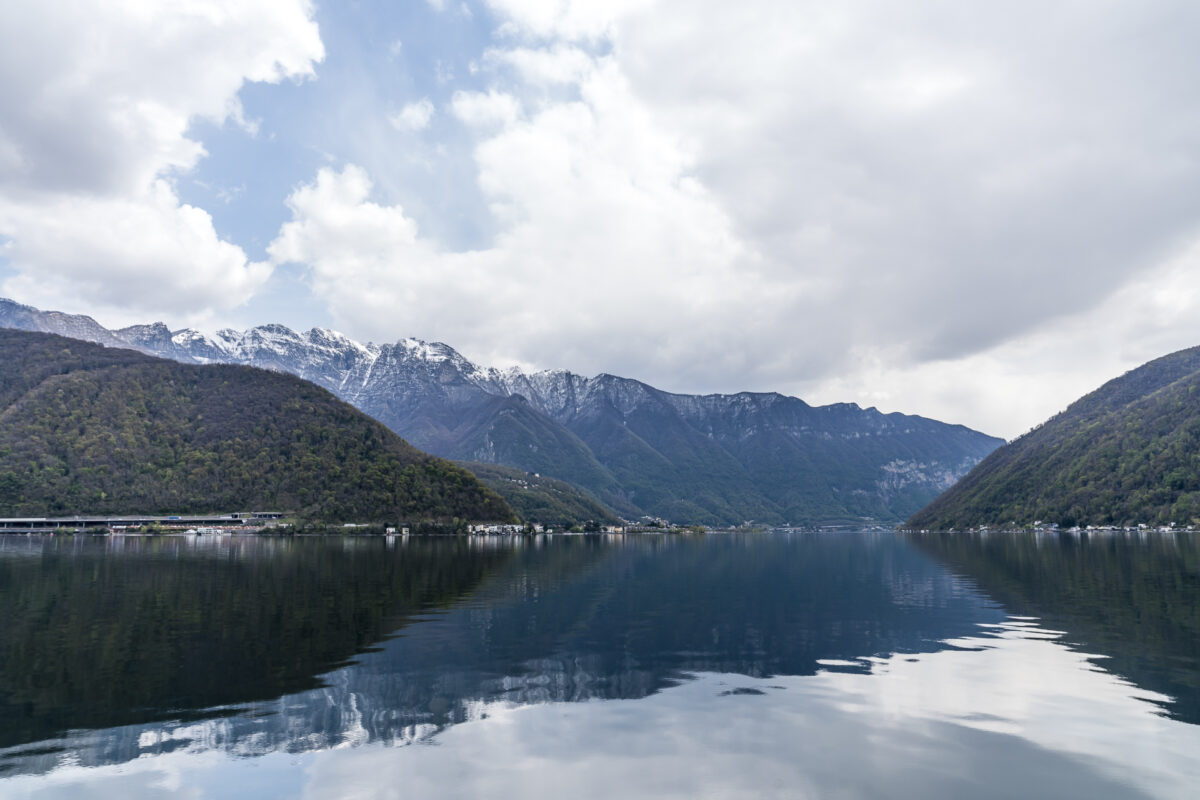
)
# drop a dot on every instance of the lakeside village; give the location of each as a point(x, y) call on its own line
point(277, 522)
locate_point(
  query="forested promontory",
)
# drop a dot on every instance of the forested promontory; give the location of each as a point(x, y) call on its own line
point(86, 429)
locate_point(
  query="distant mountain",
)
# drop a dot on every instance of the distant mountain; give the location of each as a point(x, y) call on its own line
point(86, 429)
point(710, 459)
point(1127, 453)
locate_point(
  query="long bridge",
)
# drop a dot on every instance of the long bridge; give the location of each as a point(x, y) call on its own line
point(32, 524)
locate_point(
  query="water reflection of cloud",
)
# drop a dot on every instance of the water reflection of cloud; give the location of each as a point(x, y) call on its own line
point(1009, 713)
point(832, 735)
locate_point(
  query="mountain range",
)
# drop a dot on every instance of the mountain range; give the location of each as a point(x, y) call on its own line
point(1126, 454)
point(713, 459)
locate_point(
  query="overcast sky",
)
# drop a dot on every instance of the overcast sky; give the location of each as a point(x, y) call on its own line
point(974, 211)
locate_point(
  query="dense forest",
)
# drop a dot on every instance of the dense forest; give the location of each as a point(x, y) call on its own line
point(1125, 454)
point(543, 500)
point(88, 429)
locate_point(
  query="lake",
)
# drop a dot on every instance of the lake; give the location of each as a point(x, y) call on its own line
point(783, 664)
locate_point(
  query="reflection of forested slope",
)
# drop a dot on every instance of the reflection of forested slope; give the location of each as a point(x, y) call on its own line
point(1133, 598)
point(95, 639)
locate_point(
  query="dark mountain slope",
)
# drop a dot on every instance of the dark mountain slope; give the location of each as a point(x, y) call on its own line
point(1127, 453)
point(87, 429)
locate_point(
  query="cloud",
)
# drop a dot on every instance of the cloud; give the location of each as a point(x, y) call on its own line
point(567, 19)
point(95, 110)
point(975, 211)
point(105, 254)
point(485, 109)
point(367, 258)
point(920, 207)
point(1008, 388)
point(587, 194)
point(331, 215)
point(545, 67)
point(414, 116)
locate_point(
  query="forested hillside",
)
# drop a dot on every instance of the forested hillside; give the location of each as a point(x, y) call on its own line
point(1127, 453)
point(88, 429)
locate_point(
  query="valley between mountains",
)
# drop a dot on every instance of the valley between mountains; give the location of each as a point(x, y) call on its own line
point(710, 459)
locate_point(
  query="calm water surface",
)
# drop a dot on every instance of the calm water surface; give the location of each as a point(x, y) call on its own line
point(767, 665)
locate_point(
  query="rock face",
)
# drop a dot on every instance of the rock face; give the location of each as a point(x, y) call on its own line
point(1126, 454)
point(717, 459)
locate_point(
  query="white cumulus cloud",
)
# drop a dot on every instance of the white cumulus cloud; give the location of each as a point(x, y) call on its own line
point(96, 103)
point(927, 207)
point(99, 252)
point(413, 116)
point(588, 194)
point(483, 109)
point(953, 207)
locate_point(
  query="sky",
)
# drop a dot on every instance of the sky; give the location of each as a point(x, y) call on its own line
point(972, 211)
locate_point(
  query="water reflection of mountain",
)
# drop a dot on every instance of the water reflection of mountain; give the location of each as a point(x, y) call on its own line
point(110, 631)
point(572, 618)
point(1131, 598)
